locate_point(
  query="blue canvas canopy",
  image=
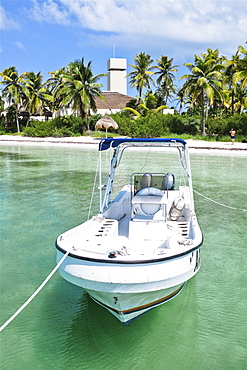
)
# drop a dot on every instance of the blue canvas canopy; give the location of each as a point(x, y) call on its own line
point(107, 143)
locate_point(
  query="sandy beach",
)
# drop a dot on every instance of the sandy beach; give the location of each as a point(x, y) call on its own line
point(195, 145)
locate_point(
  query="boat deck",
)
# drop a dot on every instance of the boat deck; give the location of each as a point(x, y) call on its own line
point(108, 238)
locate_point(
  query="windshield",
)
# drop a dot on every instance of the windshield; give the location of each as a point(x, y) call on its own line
point(152, 160)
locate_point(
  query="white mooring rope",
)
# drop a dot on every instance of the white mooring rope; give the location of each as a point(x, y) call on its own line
point(35, 293)
point(221, 204)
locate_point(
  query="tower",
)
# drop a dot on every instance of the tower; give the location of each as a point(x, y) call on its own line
point(116, 80)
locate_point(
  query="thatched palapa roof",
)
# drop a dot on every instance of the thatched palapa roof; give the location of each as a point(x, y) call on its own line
point(106, 122)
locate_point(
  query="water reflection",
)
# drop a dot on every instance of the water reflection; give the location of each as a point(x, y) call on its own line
point(95, 335)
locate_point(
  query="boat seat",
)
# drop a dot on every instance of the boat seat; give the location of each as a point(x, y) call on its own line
point(147, 202)
point(168, 182)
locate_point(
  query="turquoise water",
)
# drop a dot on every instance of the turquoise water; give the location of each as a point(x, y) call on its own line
point(45, 191)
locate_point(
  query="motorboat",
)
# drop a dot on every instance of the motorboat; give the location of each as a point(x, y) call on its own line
point(144, 243)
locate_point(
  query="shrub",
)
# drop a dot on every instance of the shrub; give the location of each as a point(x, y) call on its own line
point(74, 124)
point(150, 126)
point(222, 125)
point(216, 126)
point(39, 128)
point(174, 123)
point(240, 124)
point(155, 125)
point(59, 126)
point(191, 125)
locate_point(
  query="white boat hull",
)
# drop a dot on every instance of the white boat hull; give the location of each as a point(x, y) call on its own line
point(128, 291)
point(139, 303)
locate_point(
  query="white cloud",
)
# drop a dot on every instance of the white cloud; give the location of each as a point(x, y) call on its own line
point(172, 18)
point(175, 19)
point(19, 45)
point(149, 21)
point(49, 11)
point(6, 23)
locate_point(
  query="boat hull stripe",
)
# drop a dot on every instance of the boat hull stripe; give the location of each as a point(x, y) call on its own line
point(146, 306)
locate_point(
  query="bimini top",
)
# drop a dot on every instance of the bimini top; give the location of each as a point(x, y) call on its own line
point(113, 143)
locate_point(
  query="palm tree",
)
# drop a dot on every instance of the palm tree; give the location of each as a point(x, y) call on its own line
point(147, 107)
point(230, 80)
point(241, 74)
point(53, 84)
point(14, 90)
point(37, 97)
point(166, 77)
point(141, 76)
point(241, 99)
point(165, 69)
point(205, 81)
point(77, 87)
point(165, 93)
point(182, 99)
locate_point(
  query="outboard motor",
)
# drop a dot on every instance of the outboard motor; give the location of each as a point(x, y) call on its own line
point(169, 181)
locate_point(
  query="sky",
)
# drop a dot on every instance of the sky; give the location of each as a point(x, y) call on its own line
point(45, 35)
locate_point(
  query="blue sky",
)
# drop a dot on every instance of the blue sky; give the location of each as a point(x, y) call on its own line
point(45, 35)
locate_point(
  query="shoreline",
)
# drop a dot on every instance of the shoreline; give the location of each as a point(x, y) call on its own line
point(196, 145)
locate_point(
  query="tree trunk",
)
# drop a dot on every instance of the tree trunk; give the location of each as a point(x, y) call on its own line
point(28, 119)
point(206, 113)
point(17, 120)
point(203, 116)
point(83, 115)
point(232, 102)
point(203, 121)
point(140, 95)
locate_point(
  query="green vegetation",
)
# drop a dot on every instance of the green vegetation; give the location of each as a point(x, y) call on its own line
point(155, 125)
point(169, 125)
point(211, 100)
point(61, 126)
point(204, 83)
